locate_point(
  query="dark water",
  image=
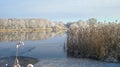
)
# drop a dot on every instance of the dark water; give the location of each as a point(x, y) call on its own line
point(43, 49)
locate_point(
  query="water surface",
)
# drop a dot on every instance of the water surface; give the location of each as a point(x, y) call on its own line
point(43, 49)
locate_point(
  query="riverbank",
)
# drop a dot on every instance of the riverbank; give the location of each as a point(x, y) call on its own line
point(13, 24)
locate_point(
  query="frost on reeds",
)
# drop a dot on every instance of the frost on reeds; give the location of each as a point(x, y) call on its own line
point(100, 41)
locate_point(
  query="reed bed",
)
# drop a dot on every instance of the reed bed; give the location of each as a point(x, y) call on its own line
point(99, 41)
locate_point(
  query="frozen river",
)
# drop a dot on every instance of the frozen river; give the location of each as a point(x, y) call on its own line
point(43, 49)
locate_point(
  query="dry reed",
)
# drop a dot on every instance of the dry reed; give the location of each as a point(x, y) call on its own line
point(99, 42)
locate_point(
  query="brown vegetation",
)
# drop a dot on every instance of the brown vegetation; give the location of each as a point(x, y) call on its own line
point(99, 41)
point(12, 24)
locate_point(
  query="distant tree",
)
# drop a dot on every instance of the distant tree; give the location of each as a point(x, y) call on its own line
point(92, 21)
point(116, 20)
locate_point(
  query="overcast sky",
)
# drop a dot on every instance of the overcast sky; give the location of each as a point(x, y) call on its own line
point(60, 10)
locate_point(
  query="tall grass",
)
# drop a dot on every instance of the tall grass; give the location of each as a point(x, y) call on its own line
point(99, 41)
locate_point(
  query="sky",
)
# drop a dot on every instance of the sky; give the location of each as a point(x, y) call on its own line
point(61, 10)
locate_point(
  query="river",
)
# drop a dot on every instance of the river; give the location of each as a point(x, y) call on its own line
point(43, 49)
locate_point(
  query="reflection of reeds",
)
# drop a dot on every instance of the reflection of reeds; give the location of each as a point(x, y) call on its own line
point(99, 42)
point(15, 36)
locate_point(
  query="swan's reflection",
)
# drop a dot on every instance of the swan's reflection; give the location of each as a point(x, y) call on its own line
point(16, 63)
